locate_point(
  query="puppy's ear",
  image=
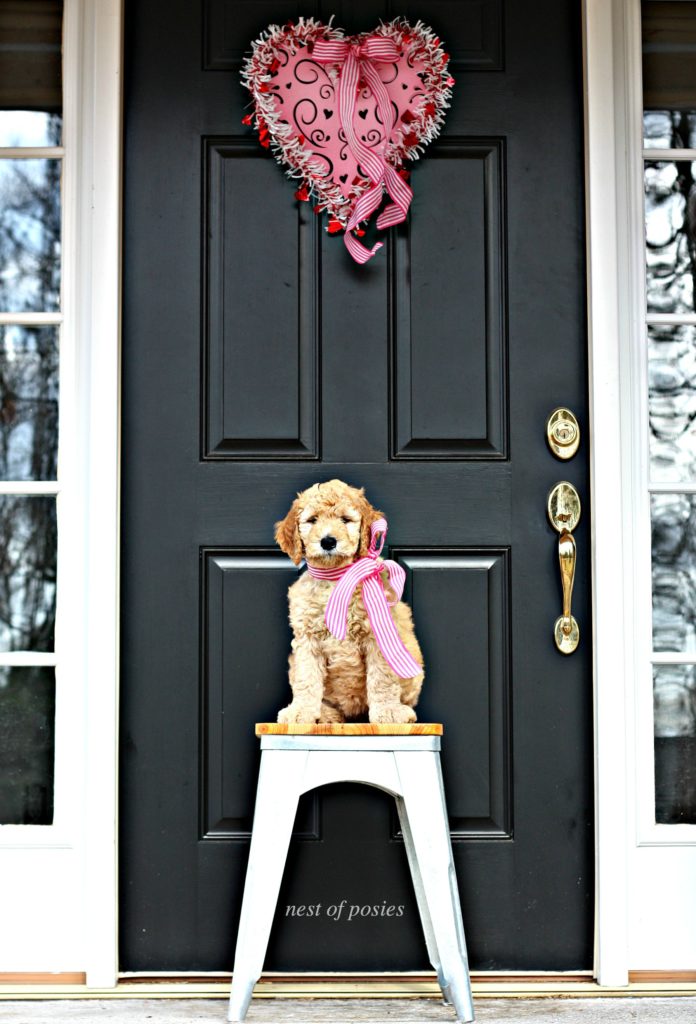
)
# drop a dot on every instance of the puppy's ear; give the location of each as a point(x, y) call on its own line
point(368, 516)
point(287, 534)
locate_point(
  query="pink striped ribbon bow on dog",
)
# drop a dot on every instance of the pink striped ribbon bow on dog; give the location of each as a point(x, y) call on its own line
point(357, 60)
point(367, 571)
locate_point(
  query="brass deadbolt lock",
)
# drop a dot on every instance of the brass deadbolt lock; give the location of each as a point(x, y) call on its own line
point(563, 433)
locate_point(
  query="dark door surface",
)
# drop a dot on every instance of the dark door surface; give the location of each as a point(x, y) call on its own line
point(257, 359)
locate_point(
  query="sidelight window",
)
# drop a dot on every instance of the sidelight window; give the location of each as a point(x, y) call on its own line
point(31, 461)
point(669, 167)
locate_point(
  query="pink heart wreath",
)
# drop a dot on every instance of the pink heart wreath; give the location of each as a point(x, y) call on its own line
point(321, 103)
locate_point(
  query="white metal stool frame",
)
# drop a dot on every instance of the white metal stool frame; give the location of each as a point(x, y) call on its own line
point(408, 767)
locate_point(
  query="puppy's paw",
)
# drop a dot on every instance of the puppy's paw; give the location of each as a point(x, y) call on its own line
point(295, 713)
point(385, 714)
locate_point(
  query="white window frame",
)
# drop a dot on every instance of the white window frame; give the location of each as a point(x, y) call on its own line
point(65, 874)
point(646, 873)
point(93, 40)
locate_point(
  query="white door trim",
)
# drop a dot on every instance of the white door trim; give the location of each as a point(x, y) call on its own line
point(609, 32)
point(612, 51)
point(58, 883)
point(98, 327)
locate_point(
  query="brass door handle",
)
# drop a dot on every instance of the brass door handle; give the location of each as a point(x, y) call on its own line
point(564, 514)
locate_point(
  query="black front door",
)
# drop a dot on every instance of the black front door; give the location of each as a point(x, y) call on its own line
point(257, 359)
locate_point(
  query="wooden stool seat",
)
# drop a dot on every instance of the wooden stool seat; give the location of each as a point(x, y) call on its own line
point(348, 729)
point(403, 760)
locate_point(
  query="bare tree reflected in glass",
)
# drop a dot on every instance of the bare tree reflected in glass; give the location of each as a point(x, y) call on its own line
point(29, 280)
point(30, 232)
point(670, 234)
point(670, 215)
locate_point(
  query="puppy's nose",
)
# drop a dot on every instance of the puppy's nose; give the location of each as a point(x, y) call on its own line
point(328, 543)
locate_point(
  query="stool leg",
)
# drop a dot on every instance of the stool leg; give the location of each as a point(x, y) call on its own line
point(424, 804)
point(423, 911)
point(280, 783)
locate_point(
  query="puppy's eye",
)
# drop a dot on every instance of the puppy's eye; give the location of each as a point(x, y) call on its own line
point(346, 519)
point(312, 519)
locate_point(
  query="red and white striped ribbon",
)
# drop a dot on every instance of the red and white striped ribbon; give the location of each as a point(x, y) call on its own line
point(367, 572)
point(357, 60)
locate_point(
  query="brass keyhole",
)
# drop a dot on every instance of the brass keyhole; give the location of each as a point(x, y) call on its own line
point(563, 433)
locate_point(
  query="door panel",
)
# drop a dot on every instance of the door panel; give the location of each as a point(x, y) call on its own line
point(449, 386)
point(257, 358)
point(262, 395)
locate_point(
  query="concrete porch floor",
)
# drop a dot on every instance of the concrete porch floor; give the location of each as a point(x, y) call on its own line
point(625, 1010)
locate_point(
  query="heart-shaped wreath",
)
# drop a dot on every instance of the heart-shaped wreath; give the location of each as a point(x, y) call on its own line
point(342, 113)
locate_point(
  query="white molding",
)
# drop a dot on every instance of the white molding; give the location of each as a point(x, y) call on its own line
point(669, 154)
point(27, 658)
point(58, 883)
point(24, 487)
point(32, 152)
point(673, 658)
point(31, 319)
point(100, 320)
point(646, 875)
point(671, 318)
point(609, 84)
point(671, 487)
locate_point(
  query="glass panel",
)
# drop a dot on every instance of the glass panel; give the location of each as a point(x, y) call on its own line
point(28, 403)
point(672, 403)
point(27, 720)
point(670, 237)
point(669, 55)
point(674, 696)
point(674, 572)
point(31, 80)
point(29, 235)
point(29, 128)
point(669, 129)
point(27, 573)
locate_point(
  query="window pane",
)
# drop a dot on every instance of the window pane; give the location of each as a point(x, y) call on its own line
point(669, 55)
point(27, 729)
point(27, 573)
point(669, 129)
point(674, 572)
point(670, 236)
point(674, 695)
point(29, 235)
point(672, 402)
point(28, 403)
point(29, 128)
point(30, 31)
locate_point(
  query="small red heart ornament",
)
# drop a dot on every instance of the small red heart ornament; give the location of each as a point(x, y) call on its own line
point(342, 113)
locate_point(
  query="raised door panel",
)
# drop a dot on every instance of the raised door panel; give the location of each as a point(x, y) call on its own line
point(448, 319)
point(460, 600)
point(260, 346)
point(243, 680)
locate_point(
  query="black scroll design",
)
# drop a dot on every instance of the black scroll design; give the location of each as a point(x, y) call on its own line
point(395, 118)
point(323, 159)
point(305, 114)
point(373, 138)
point(386, 69)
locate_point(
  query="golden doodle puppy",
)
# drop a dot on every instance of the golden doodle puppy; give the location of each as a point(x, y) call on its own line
point(377, 669)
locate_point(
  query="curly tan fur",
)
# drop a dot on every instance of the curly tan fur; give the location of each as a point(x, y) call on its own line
point(332, 680)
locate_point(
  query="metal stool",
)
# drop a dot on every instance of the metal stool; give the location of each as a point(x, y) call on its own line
point(403, 760)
